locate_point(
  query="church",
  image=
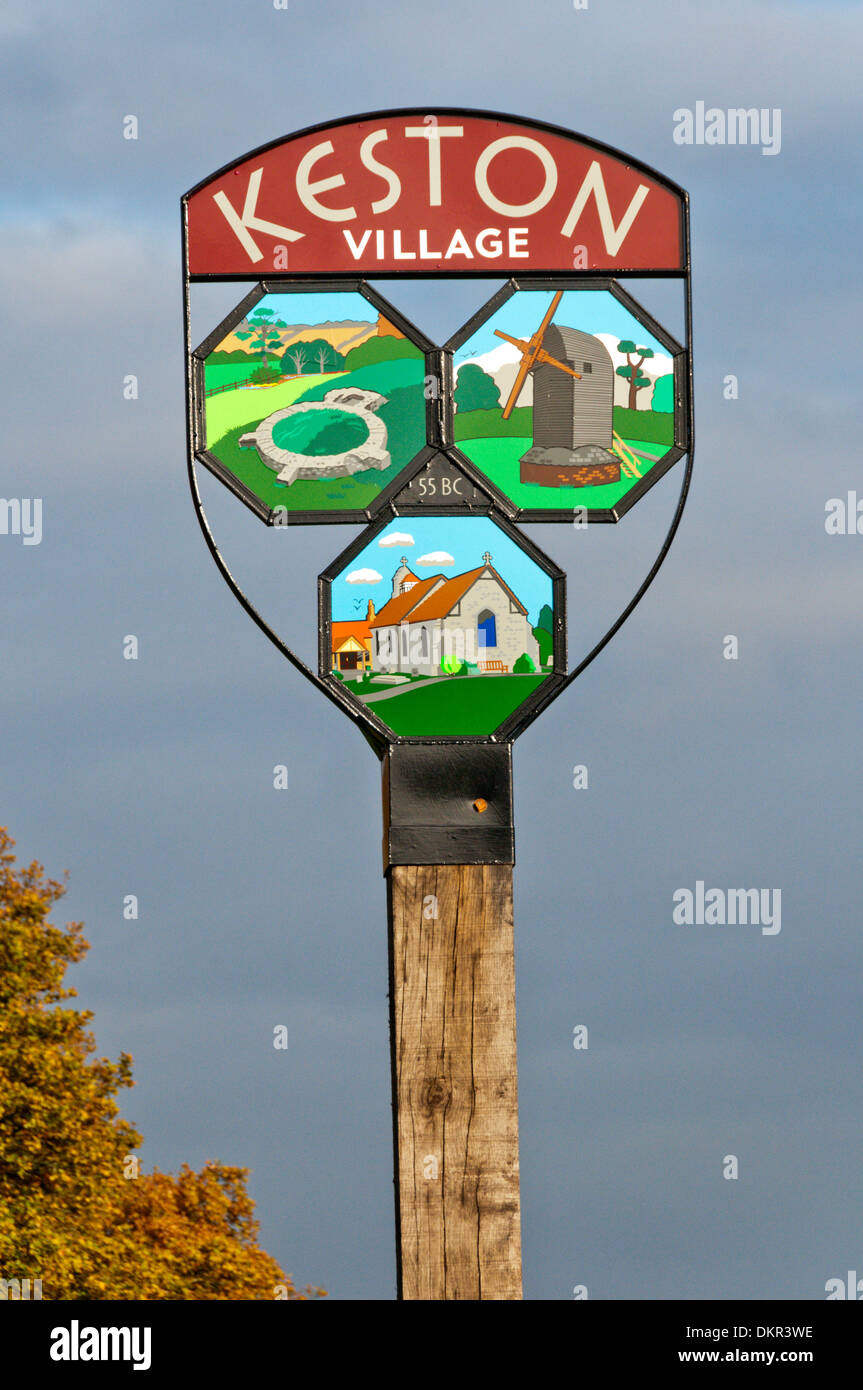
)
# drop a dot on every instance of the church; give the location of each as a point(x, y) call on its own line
point(472, 617)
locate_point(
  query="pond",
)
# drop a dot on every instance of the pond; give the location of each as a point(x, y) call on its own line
point(320, 432)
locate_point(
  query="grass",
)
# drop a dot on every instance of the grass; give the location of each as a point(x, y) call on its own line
point(466, 706)
point(220, 373)
point(331, 494)
point(249, 407)
point(499, 460)
point(482, 424)
point(384, 377)
point(657, 425)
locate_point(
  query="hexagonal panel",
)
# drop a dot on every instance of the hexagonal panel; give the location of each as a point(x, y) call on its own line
point(311, 400)
point(568, 398)
point(443, 627)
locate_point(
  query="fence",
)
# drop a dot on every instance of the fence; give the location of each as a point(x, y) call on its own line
point(244, 384)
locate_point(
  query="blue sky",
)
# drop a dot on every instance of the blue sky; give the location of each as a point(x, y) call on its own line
point(591, 311)
point(261, 907)
point(465, 539)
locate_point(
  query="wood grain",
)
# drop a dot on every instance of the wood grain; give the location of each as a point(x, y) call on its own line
point(455, 1081)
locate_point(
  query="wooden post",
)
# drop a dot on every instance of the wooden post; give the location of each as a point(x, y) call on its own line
point(455, 1088)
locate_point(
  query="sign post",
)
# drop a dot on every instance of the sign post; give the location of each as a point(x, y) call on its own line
point(441, 626)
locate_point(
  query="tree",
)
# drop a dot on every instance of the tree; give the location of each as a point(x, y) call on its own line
point(325, 357)
point(262, 329)
point(632, 371)
point(475, 389)
point(544, 633)
point(546, 618)
point(316, 355)
point(663, 393)
point(75, 1211)
point(296, 356)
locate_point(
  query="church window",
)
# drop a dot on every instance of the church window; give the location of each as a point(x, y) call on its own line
point(487, 629)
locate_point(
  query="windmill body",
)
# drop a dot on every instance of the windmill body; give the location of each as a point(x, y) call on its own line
point(573, 407)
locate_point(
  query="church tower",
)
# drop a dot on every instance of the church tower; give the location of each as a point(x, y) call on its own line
point(403, 579)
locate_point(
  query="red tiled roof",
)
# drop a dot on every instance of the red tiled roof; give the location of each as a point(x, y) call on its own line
point(443, 600)
point(397, 608)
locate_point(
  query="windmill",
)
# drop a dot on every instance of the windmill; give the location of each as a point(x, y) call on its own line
point(574, 443)
point(532, 352)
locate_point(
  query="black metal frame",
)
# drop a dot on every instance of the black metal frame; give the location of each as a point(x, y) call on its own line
point(396, 495)
point(520, 717)
point(500, 508)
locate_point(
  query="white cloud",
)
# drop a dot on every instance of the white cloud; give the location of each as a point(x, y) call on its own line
point(436, 557)
point(490, 361)
point(396, 538)
point(363, 577)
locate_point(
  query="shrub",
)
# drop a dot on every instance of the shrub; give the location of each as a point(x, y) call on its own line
point(523, 665)
point(475, 389)
point(384, 348)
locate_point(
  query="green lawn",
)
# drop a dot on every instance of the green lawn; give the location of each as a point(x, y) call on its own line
point(499, 460)
point(465, 706)
point(249, 407)
point(221, 373)
point(483, 424)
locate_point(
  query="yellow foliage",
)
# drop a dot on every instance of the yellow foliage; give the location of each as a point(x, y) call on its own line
point(69, 1215)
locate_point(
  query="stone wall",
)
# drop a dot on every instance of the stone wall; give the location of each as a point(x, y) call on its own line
point(513, 630)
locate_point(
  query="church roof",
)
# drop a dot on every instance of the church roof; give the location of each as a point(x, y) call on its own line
point(435, 598)
point(444, 599)
point(399, 605)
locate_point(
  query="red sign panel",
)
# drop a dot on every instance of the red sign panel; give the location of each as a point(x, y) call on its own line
point(451, 193)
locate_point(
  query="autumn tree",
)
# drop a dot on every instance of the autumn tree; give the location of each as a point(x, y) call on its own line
point(76, 1212)
point(632, 371)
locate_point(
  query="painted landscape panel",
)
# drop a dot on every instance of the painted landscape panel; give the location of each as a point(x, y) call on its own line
point(563, 398)
point(443, 626)
point(314, 401)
